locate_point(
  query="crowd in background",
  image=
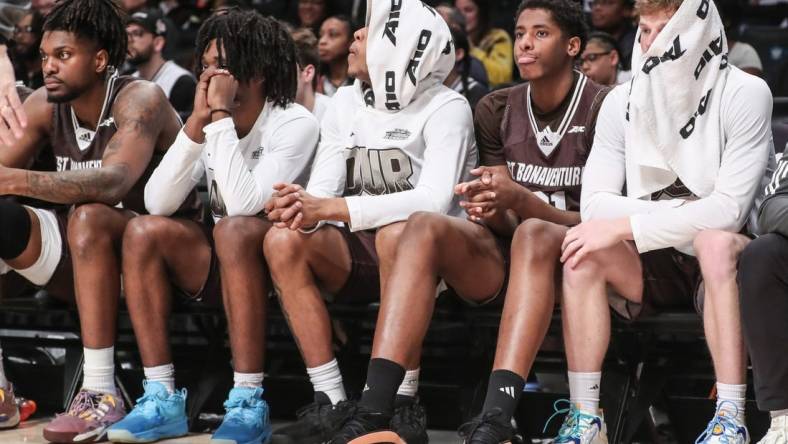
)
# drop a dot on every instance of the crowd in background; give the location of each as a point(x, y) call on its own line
point(163, 31)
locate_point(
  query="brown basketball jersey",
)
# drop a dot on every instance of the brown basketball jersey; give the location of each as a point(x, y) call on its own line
point(70, 156)
point(553, 173)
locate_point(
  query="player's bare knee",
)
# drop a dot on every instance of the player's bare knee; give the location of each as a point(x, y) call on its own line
point(587, 272)
point(388, 238)
point(282, 247)
point(88, 228)
point(718, 253)
point(536, 240)
point(142, 233)
point(233, 235)
point(425, 227)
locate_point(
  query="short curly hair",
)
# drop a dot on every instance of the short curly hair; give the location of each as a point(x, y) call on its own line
point(567, 14)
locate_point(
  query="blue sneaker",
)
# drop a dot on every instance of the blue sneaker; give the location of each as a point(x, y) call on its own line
point(578, 427)
point(724, 428)
point(157, 415)
point(246, 420)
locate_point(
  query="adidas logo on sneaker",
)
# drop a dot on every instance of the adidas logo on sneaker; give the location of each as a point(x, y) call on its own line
point(508, 390)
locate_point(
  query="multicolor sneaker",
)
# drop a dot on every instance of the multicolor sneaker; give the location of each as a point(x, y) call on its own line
point(87, 419)
point(489, 428)
point(778, 431)
point(246, 420)
point(366, 427)
point(578, 427)
point(9, 410)
point(724, 428)
point(158, 414)
point(410, 422)
point(316, 423)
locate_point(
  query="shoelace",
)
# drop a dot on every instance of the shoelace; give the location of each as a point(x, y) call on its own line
point(83, 402)
point(728, 425)
point(576, 421)
point(242, 411)
point(356, 426)
point(410, 413)
point(477, 426)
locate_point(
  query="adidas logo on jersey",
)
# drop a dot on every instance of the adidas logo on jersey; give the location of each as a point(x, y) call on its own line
point(508, 390)
point(256, 154)
point(576, 129)
point(85, 137)
point(546, 141)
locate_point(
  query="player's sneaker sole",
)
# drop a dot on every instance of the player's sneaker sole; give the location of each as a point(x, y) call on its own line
point(264, 438)
point(172, 430)
point(8, 423)
point(387, 436)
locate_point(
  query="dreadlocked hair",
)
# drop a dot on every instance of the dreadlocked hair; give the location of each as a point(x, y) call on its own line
point(253, 47)
point(100, 21)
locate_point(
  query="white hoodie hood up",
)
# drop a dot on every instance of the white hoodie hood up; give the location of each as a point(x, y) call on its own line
point(400, 145)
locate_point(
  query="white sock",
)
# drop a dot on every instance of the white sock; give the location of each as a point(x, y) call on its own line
point(730, 398)
point(410, 385)
point(99, 370)
point(251, 380)
point(328, 379)
point(3, 380)
point(164, 374)
point(584, 391)
point(778, 413)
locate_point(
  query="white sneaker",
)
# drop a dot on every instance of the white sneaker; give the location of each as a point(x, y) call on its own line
point(724, 429)
point(578, 427)
point(778, 431)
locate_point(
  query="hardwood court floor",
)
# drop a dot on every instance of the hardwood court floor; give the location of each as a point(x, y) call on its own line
point(31, 433)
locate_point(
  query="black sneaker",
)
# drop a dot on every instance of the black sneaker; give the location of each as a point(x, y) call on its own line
point(489, 428)
point(366, 427)
point(410, 422)
point(316, 423)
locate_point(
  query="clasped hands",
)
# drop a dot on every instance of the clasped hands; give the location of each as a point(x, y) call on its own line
point(493, 192)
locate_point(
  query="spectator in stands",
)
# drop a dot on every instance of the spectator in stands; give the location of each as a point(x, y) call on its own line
point(690, 186)
point(389, 148)
point(456, 20)
point(764, 305)
point(312, 13)
point(460, 78)
point(245, 135)
point(43, 6)
point(147, 31)
point(132, 6)
point(524, 199)
point(308, 69)
point(336, 35)
point(27, 60)
point(492, 46)
point(615, 18)
point(601, 61)
point(740, 54)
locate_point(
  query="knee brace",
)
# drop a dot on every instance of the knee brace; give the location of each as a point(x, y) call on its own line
point(15, 227)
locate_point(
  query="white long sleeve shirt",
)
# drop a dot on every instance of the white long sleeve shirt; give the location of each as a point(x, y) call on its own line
point(240, 173)
point(674, 222)
point(391, 165)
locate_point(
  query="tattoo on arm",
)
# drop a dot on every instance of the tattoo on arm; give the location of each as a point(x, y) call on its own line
point(139, 116)
point(72, 187)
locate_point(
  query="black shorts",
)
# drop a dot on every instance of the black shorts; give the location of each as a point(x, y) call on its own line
point(671, 280)
point(211, 292)
point(363, 282)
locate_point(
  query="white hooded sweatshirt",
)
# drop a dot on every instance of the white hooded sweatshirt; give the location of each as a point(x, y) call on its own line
point(400, 145)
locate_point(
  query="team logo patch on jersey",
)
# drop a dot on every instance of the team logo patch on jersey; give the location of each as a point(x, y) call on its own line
point(397, 134)
point(107, 122)
point(576, 129)
point(256, 154)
